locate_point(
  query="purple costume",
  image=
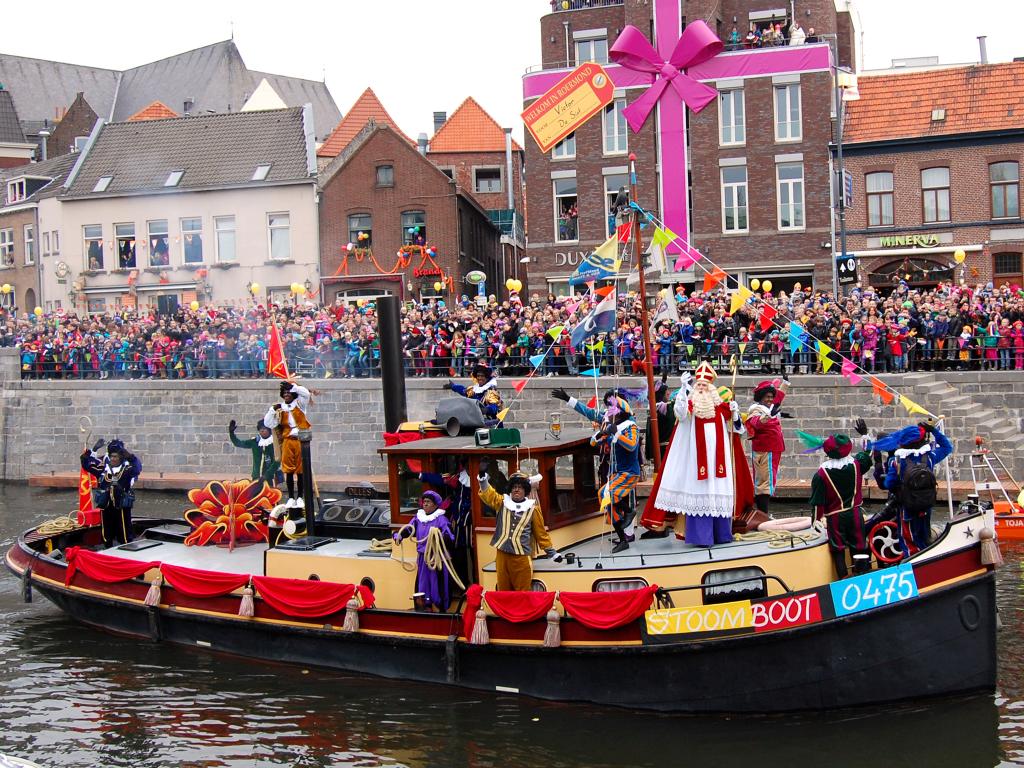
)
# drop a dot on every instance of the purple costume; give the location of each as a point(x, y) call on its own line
point(433, 584)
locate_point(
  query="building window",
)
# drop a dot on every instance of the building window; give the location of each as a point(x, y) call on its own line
point(56, 242)
point(192, 241)
point(790, 189)
point(159, 247)
point(173, 178)
point(592, 50)
point(731, 118)
point(449, 172)
point(1007, 264)
point(935, 194)
point(787, 112)
point(46, 243)
point(612, 183)
point(261, 172)
point(360, 230)
point(30, 245)
point(1005, 181)
point(279, 226)
point(125, 236)
point(385, 175)
point(80, 142)
point(97, 306)
point(15, 191)
point(414, 228)
point(879, 194)
point(565, 149)
point(614, 128)
point(487, 179)
point(734, 198)
point(102, 183)
point(224, 228)
point(6, 248)
point(566, 211)
point(93, 236)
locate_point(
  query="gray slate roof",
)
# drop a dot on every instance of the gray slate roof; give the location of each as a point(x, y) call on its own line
point(56, 168)
point(10, 128)
point(214, 77)
point(215, 151)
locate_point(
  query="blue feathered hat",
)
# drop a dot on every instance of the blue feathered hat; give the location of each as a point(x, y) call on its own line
point(900, 438)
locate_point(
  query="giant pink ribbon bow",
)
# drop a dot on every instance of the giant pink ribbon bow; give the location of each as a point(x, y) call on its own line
point(696, 45)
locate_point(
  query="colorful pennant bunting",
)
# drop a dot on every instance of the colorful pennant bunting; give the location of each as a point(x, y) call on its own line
point(824, 350)
point(599, 347)
point(739, 299)
point(768, 313)
point(503, 413)
point(519, 385)
point(912, 407)
point(536, 360)
point(592, 372)
point(850, 372)
point(880, 389)
point(555, 332)
point(623, 231)
point(796, 337)
point(713, 278)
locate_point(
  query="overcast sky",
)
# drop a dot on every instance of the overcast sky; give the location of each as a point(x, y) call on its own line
point(425, 56)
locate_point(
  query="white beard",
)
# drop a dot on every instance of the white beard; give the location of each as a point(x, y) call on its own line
point(705, 400)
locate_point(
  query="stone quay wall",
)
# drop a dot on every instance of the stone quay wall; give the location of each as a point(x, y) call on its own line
point(181, 426)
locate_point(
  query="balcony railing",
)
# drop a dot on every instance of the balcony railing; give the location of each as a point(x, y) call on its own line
point(580, 5)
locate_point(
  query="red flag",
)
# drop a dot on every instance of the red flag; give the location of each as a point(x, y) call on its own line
point(85, 485)
point(767, 314)
point(713, 278)
point(592, 402)
point(623, 231)
point(276, 364)
point(518, 385)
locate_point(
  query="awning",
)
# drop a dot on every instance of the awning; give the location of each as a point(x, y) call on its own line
point(149, 287)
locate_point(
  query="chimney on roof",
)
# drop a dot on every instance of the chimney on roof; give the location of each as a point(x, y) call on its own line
point(189, 104)
point(421, 142)
point(439, 120)
point(982, 49)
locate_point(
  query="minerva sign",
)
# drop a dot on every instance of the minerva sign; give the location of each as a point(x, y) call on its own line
point(913, 241)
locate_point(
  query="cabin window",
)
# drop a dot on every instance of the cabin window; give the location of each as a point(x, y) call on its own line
point(367, 582)
point(409, 489)
point(497, 473)
point(748, 583)
point(618, 585)
point(538, 586)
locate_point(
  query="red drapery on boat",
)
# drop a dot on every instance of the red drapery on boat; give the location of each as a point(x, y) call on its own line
point(200, 583)
point(474, 597)
point(607, 610)
point(520, 607)
point(101, 567)
point(399, 438)
point(308, 599)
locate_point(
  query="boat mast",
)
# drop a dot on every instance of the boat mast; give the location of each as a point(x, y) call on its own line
point(638, 249)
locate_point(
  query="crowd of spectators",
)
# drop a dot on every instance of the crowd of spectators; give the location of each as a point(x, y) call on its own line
point(946, 327)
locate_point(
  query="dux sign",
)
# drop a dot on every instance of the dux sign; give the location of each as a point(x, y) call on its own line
point(568, 104)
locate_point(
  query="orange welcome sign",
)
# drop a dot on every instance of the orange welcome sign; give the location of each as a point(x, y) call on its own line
point(568, 104)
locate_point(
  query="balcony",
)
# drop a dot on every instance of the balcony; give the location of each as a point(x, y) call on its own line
point(509, 222)
point(558, 6)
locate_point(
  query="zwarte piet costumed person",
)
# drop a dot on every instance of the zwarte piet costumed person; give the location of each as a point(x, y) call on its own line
point(115, 492)
point(484, 390)
point(430, 527)
point(911, 474)
point(265, 464)
point(458, 508)
point(286, 418)
point(621, 435)
point(518, 531)
point(836, 498)
point(766, 441)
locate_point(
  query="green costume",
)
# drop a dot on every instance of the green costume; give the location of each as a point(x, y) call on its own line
point(264, 465)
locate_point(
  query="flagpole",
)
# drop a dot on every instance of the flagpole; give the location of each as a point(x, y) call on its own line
point(648, 366)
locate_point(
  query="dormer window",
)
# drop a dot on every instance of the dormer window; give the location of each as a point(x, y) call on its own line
point(261, 172)
point(173, 178)
point(938, 114)
point(15, 191)
point(102, 183)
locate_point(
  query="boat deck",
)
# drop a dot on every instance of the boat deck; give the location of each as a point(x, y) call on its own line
point(243, 559)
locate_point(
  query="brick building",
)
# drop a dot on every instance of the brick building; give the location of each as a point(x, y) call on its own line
point(15, 149)
point(935, 158)
point(757, 192)
point(384, 188)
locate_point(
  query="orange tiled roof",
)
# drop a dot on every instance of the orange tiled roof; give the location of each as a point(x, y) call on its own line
point(155, 111)
point(984, 97)
point(470, 129)
point(367, 107)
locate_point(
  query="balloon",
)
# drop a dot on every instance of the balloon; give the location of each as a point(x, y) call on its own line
point(300, 289)
point(254, 288)
point(193, 305)
point(412, 230)
point(755, 284)
point(510, 282)
point(517, 286)
point(959, 256)
point(38, 311)
point(6, 288)
point(437, 286)
point(349, 247)
point(767, 285)
point(294, 288)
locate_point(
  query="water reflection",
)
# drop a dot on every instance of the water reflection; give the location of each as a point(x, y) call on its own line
point(71, 696)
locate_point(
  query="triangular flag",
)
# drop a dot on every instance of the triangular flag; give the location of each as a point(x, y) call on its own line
point(503, 413)
point(570, 307)
point(739, 299)
point(599, 347)
point(663, 237)
point(824, 350)
point(555, 332)
point(850, 372)
point(657, 262)
point(810, 441)
point(623, 231)
point(277, 364)
point(879, 389)
point(713, 278)
point(912, 407)
point(602, 292)
point(519, 385)
point(536, 360)
point(689, 350)
point(592, 402)
point(593, 373)
point(688, 258)
point(743, 347)
point(767, 314)
point(796, 337)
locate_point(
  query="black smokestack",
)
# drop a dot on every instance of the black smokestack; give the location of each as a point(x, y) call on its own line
point(392, 372)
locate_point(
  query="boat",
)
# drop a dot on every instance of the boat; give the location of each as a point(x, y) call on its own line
point(993, 480)
point(755, 626)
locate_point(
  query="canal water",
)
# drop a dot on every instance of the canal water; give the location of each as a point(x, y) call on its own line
point(73, 696)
